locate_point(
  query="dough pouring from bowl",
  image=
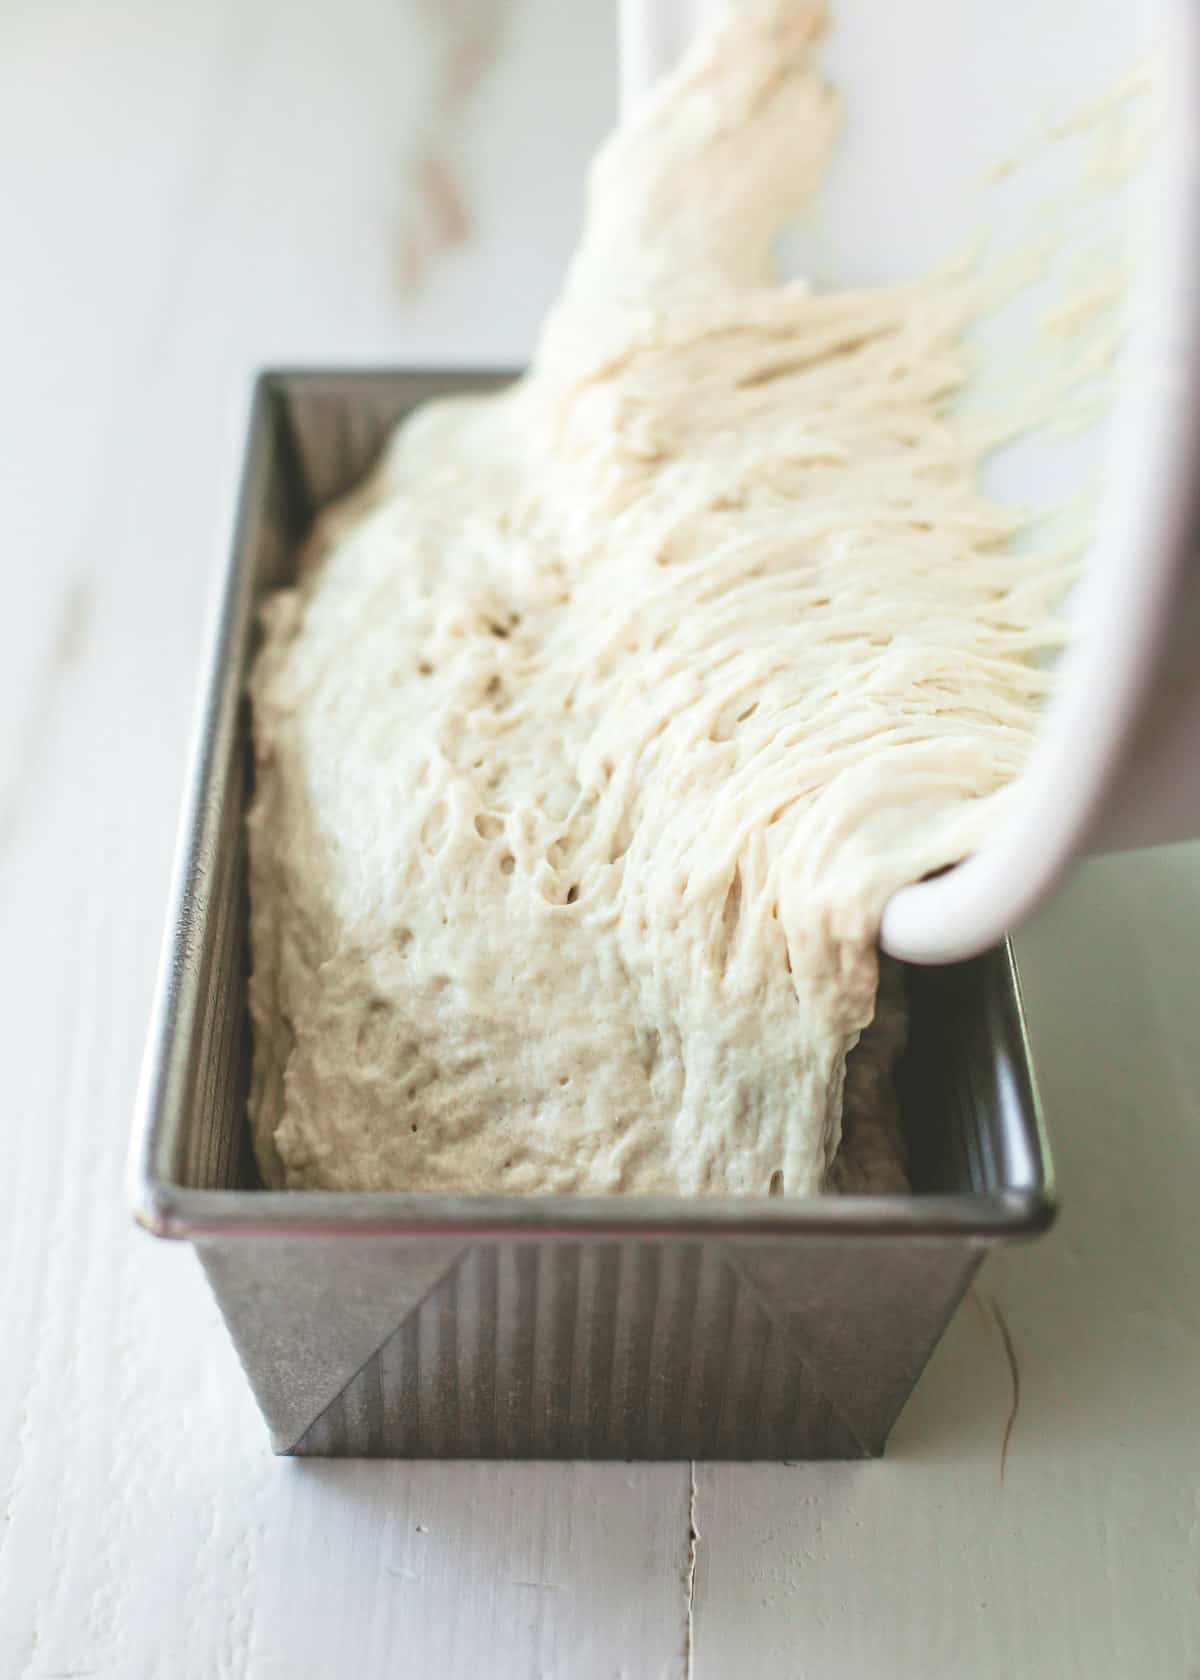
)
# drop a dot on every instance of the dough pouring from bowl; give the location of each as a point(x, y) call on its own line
point(604, 720)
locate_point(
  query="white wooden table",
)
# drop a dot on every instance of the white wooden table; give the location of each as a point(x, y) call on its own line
point(192, 190)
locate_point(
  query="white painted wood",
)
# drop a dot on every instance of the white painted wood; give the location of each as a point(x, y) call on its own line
point(189, 191)
point(1082, 1561)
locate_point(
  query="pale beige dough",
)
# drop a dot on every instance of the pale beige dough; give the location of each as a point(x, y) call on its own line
point(605, 719)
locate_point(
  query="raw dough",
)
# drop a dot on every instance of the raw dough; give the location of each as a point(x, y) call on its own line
point(604, 720)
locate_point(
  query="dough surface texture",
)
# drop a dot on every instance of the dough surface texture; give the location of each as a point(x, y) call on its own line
point(604, 719)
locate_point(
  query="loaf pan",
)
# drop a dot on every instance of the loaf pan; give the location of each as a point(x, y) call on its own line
point(391, 1325)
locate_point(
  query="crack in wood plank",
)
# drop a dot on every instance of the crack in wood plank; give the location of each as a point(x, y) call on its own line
point(64, 648)
point(992, 1318)
point(1014, 1372)
point(693, 1554)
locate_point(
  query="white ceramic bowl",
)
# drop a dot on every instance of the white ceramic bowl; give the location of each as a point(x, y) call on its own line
point(937, 93)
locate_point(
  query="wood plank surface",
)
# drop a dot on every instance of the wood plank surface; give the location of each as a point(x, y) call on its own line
point(190, 192)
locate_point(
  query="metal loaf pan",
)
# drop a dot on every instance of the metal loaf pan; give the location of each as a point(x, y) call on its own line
point(558, 1327)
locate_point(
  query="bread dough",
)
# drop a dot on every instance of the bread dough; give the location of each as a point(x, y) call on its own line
point(606, 717)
